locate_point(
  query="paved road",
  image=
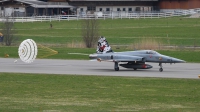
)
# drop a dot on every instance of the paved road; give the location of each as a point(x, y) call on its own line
point(84, 67)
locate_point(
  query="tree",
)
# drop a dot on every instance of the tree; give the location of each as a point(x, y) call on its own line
point(7, 29)
point(90, 32)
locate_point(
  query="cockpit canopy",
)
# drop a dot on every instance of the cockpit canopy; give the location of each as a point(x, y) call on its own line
point(151, 52)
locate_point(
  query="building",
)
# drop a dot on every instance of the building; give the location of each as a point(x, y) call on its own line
point(55, 7)
point(115, 5)
point(131, 5)
point(33, 7)
point(179, 4)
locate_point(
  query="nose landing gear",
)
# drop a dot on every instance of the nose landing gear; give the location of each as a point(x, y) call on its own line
point(160, 69)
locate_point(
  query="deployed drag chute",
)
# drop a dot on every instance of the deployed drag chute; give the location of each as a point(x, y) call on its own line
point(28, 51)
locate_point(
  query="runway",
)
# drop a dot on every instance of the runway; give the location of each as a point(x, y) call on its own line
point(86, 67)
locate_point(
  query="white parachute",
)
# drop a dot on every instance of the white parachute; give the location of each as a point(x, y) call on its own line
point(28, 51)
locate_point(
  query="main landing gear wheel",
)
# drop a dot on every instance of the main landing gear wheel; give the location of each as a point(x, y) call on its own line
point(116, 66)
point(160, 69)
point(134, 68)
point(117, 69)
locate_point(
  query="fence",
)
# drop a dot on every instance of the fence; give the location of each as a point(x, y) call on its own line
point(105, 15)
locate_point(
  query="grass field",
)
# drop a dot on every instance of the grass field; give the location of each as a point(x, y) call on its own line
point(176, 31)
point(72, 93)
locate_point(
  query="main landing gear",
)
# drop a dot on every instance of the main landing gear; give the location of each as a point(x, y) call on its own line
point(160, 69)
point(116, 66)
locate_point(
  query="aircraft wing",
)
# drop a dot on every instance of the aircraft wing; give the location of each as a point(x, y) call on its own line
point(116, 57)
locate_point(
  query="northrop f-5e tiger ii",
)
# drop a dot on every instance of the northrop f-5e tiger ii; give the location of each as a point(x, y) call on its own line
point(130, 59)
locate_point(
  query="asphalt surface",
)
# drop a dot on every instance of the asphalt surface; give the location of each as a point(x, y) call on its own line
point(86, 67)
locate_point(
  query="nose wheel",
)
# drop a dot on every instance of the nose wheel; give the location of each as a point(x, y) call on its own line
point(160, 69)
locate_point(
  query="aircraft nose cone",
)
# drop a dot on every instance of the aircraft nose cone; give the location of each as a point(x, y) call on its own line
point(93, 56)
point(175, 60)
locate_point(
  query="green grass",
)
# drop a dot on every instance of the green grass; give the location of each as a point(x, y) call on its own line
point(180, 31)
point(71, 93)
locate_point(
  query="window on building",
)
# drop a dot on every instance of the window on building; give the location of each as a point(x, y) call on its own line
point(91, 8)
point(124, 9)
point(129, 9)
point(137, 9)
point(118, 9)
point(81, 9)
point(107, 9)
point(100, 9)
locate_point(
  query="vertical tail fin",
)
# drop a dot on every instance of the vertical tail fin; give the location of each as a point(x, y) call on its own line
point(103, 46)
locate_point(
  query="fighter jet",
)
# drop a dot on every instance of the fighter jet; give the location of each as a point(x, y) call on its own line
point(130, 59)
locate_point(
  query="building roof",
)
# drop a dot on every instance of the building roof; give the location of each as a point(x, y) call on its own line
point(40, 4)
